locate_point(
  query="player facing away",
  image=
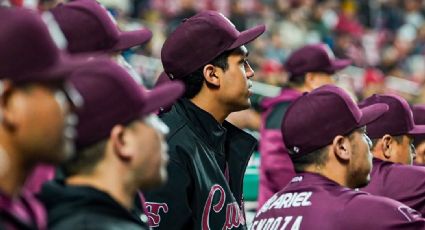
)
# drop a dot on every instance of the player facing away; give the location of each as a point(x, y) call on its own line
point(120, 149)
point(309, 67)
point(392, 137)
point(208, 155)
point(325, 133)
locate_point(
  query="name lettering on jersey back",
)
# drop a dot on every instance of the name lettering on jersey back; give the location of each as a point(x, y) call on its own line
point(279, 223)
point(287, 200)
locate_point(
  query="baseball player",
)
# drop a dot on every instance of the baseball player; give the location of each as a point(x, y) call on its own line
point(393, 150)
point(37, 121)
point(208, 155)
point(120, 149)
point(89, 27)
point(309, 67)
point(324, 131)
point(419, 117)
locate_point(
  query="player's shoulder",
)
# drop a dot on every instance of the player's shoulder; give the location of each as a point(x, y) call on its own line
point(401, 172)
point(362, 204)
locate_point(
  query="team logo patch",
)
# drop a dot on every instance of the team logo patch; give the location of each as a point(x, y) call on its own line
point(154, 210)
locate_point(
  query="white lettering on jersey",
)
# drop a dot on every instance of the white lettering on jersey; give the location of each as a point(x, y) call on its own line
point(276, 223)
point(289, 200)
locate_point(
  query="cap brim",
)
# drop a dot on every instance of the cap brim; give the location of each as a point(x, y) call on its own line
point(59, 71)
point(162, 96)
point(417, 129)
point(247, 36)
point(130, 39)
point(162, 79)
point(340, 64)
point(372, 112)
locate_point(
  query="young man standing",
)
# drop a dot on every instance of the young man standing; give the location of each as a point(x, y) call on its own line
point(37, 104)
point(392, 137)
point(120, 149)
point(208, 155)
point(309, 67)
point(324, 131)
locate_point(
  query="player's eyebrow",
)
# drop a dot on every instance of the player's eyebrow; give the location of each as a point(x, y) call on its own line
point(242, 60)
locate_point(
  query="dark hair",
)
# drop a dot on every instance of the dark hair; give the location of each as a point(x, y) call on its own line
point(195, 80)
point(85, 160)
point(296, 80)
point(318, 157)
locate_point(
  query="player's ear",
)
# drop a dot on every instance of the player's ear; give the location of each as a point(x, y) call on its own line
point(387, 141)
point(211, 75)
point(341, 148)
point(9, 118)
point(119, 144)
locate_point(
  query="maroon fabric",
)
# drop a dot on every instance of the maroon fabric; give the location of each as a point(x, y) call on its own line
point(112, 97)
point(276, 168)
point(28, 52)
point(397, 121)
point(23, 212)
point(314, 58)
point(419, 117)
point(312, 201)
point(390, 180)
point(191, 45)
point(88, 28)
point(315, 118)
point(41, 174)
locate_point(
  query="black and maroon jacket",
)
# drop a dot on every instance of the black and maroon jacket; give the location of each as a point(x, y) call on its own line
point(206, 170)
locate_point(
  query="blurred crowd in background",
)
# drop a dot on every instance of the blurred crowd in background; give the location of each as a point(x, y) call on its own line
point(384, 38)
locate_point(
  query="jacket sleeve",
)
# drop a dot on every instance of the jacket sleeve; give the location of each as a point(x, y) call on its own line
point(169, 206)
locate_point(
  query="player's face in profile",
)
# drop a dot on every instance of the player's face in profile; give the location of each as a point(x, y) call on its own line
point(361, 162)
point(320, 79)
point(404, 151)
point(235, 84)
point(420, 153)
point(46, 122)
point(146, 139)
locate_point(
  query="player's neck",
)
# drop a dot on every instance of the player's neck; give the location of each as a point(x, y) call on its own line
point(13, 170)
point(211, 106)
point(331, 171)
point(111, 183)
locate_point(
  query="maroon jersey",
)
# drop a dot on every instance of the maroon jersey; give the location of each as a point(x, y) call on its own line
point(404, 183)
point(312, 201)
point(23, 212)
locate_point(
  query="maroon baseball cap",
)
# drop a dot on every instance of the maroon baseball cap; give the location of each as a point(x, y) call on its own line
point(89, 27)
point(419, 118)
point(397, 121)
point(28, 52)
point(314, 58)
point(199, 40)
point(316, 118)
point(112, 97)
